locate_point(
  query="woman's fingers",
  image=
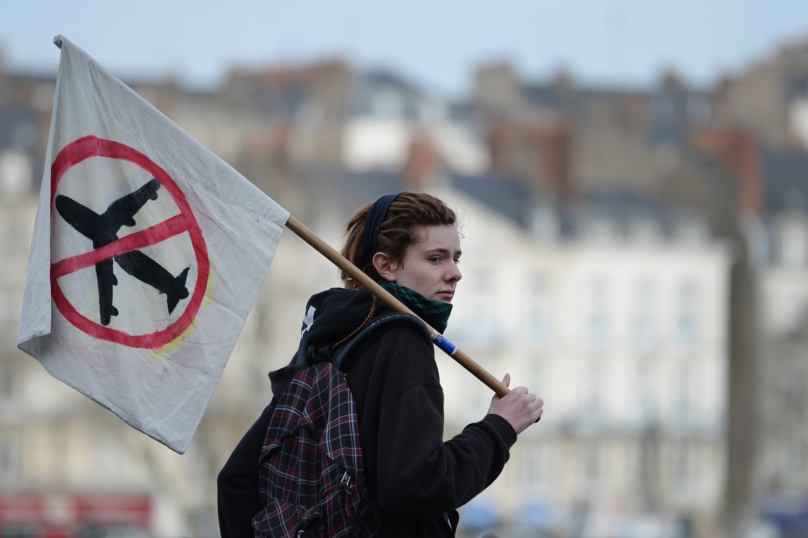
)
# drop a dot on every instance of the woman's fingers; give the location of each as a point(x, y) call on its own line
point(519, 407)
point(537, 406)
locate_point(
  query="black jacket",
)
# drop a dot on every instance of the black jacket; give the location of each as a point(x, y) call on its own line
point(418, 480)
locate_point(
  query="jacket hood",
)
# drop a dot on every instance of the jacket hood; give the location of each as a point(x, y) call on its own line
point(332, 316)
point(329, 317)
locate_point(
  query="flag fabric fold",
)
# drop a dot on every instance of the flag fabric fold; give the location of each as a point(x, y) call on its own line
point(148, 253)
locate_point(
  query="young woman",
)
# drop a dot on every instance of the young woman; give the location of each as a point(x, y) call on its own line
point(410, 245)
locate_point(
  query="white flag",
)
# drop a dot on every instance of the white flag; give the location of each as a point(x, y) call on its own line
point(148, 253)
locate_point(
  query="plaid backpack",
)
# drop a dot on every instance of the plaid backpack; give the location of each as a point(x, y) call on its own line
point(311, 473)
point(311, 470)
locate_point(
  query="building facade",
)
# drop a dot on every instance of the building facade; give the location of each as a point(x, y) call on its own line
point(621, 327)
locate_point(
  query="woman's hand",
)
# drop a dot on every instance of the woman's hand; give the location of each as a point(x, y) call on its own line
point(519, 407)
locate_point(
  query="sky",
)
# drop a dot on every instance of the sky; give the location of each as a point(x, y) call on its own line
point(436, 43)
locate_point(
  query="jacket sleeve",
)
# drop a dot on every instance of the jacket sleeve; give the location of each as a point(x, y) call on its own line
point(419, 475)
point(237, 483)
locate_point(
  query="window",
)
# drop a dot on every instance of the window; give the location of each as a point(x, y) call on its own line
point(687, 321)
point(432, 109)
point(107, 461)
point(536, 468)
point(20, 530)
point(600, 230)
point(591, 467)
point(545, 224)
point(645, 231)
point(797, 86)
point(16, 174)
point(684, 395)
point(682, 466)
point(793, 308)
point(9, 381)
point(387, 103)
point(483, 323)
point(791, 459)
point(698, 109)
point(597, 321)
point(664, 109)
point(644, 325)
point(9, 458)
point(539, 311)
point(538, 372)
point(590, 401)
point(691, 232)
point(793, 245)
point(644, 394)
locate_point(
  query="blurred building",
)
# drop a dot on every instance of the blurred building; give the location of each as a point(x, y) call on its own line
point(781, 449)
point(637, 258)
point(619, 323)
point(760, 139)
point(389, 118)
point(575, 140)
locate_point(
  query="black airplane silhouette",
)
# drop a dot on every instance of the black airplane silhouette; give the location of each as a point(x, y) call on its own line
point(103, 229)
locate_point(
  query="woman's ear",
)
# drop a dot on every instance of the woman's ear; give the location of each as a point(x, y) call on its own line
point(386, 267)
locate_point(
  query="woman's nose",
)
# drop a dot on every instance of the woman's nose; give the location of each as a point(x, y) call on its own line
point(454, 273)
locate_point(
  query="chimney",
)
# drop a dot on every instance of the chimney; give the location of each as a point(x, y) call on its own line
point(497, 89)
point(539, 150)
point(423, 163)
point(739, 153)
point(555, 147)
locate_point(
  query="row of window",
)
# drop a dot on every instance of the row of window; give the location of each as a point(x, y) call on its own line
point(674, 468)
point(684, 398)
point(10, 459)
point(597, 325)
point(785, 244)
point(606, 230)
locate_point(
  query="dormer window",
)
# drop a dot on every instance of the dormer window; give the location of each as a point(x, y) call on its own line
point(432, 110)
point(387, 103)
point(698, 109)
point(687, 317)
point(664, 108)
point(597, 316)
point(545, 224)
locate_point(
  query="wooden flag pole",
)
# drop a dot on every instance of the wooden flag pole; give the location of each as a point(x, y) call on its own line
point(340, 261)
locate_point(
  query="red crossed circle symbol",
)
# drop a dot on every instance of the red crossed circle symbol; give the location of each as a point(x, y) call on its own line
point(92, 146)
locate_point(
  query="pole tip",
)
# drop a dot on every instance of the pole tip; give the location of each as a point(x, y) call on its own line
point(58, 41)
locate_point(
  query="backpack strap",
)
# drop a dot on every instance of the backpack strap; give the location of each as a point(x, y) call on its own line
point(344, 355)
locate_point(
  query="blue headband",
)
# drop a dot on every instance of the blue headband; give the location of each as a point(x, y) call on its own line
point(374, 221)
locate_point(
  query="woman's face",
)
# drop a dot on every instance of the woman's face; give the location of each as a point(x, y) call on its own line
point(429, 266)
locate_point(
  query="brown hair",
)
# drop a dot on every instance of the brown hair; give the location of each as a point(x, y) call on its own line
point(409, 212)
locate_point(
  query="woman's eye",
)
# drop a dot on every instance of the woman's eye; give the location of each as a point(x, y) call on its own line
point(435, 259)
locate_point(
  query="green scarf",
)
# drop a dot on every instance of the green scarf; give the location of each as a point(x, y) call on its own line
point(436, 313)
